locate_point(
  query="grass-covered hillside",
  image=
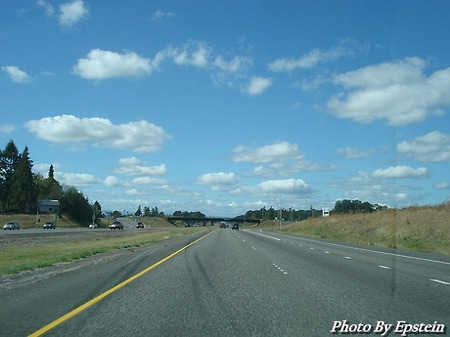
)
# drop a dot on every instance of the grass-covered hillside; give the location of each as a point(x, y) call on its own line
point(425, 228)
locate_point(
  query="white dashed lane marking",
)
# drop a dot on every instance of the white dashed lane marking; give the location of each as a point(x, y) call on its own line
point(384, 267)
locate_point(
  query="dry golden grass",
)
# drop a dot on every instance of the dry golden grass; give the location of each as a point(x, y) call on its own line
point(425, 228)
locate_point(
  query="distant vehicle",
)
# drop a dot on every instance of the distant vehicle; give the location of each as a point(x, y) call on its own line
point(116, 225)
point(223, 225)
point(11, 226)
point(49, 225)
point(235, 226)
point(140, 225)
point(93, 225)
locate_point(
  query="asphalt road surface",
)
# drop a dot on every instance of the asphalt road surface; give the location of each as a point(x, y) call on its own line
point(234, 283)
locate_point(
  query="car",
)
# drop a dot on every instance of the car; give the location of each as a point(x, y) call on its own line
point(116, 225)
point(11, 226)
point(93, 225)
point(49, 225)
point(223, 225)
point(140, 225)
point(235, 226)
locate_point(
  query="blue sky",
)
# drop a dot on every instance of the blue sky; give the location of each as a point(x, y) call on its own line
point(224, 107)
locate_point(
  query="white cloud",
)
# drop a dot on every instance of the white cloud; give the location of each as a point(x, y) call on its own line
point(134, 167)
point(233, 65)
point(101, 64)
point(72, 12)
point(257, 85)
point(16, 74)
point(217, 180)
point(112, 181)
point(399, 172)
point(353, 153)
point(7, 128)
point(77, 179)
point(148, 181)
point(193, 53)
point(287, 186)
point(397, 92)
point(432, 147)
point(159, 16)
point(140, 136)
point(49, 11)
point(345, 48)
point(267, 153)
point(442, 186)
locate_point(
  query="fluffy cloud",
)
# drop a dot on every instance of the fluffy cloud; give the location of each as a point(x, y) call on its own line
point(140, 136)
point(287, 186)
point(401, 171)
point(101, 64)
point(77, 179)
point(134, 167)
point(257, 85)
point(16, 74)
point(71, 12)
point(267, 153)
point(432, 147)
point(397, 92)
point(217, 179)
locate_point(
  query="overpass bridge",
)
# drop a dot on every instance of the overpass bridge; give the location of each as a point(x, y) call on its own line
point(174, 219)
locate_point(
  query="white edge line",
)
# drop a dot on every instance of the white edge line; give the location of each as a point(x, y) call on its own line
point(439, 281)
point(386, 253)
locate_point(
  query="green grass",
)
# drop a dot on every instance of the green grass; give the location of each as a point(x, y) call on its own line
point(20, 258)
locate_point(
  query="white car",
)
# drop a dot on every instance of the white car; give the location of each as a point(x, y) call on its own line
point(93, 225)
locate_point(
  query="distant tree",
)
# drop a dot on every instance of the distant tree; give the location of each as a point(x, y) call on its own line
point(22, 195)
point(154, 212)
point(51, 172)
point(96, 211)
point(147, 211)
point(352, 206)
point(9, 159)
point(116, 214)
point(76, 205)
point(49, 188)
point(138, 211)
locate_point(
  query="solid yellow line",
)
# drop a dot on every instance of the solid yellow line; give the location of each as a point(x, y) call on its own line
point(90, 303)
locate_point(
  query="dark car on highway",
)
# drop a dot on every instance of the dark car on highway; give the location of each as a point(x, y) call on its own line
point(11, 225)
point(49, 225)
point(140, 225)
point(116, 225)
point(235, 226)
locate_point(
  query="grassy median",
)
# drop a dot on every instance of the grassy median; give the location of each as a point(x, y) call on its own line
point(19, 258)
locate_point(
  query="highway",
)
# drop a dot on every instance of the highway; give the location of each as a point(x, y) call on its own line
point(234, 283)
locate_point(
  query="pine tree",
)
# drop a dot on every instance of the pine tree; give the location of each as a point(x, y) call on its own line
point(8, 162)
point(22, 195)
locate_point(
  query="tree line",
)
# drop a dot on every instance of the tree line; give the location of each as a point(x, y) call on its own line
point(20, 188)
point(289, 214)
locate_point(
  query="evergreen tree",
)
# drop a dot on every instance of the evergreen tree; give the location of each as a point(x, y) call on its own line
point(22, 195)
point(9, 159)
point(49, 188)
point(97, 211)
point(76, 205)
